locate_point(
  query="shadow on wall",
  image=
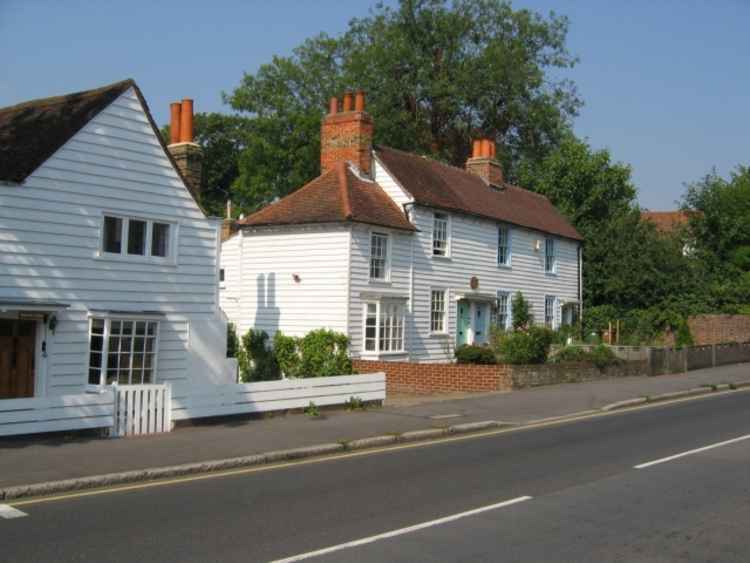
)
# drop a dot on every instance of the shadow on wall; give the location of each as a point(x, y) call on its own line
point(267, 314)
point(207, 352)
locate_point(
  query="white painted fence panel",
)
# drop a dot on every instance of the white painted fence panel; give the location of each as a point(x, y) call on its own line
point(66, 412)
point(267, 396)
point(142, 409)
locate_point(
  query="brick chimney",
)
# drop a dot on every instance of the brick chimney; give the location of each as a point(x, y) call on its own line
point(187, 154)
point(346, 135)
point(484, 164)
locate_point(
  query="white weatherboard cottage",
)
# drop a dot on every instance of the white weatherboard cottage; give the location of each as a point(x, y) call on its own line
point(108, 266)
point(407, 256)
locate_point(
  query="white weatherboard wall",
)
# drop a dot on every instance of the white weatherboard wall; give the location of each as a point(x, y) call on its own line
point(268, 297)
point(50, 232)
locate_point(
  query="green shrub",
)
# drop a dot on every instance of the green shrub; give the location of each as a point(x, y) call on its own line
point(526, 347)
point(470, 354)
point(570, 354)
point(521, 317)
point(603, 356)
point(259, 362)
point(324, 352)
point(233, 341)
point(287, 355)
point(683, 337)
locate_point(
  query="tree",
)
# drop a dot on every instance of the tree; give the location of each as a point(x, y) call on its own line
point(223, 138)
point(436, 74)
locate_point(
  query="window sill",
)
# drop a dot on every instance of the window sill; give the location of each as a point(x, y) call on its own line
point(379, 355)
point(446, 258)
point(380, 282)
point(439, 335)
point(505, 266)
point(551, 274)
point(134, 259)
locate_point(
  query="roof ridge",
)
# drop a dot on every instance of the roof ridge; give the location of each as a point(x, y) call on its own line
point(342, 171)
point(60, 98)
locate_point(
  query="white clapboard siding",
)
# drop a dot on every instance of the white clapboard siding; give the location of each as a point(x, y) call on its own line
point(50, 233)
point(142, 409)
point(267, 396)
point(65, 412)
point(263, 266)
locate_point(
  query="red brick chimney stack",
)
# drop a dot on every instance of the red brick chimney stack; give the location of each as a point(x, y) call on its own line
point(483, 162)
point(188, 155)
point(346, 135)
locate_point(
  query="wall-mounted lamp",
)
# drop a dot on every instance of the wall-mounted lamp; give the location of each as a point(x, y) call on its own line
point(52, 324)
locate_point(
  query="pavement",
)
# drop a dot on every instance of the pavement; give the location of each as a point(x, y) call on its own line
point(70, 461)
point(575, 492)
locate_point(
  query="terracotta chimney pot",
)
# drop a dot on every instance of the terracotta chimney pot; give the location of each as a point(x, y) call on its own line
point(347, 101)
point(333, 106)
point(485, 148)
point(174, 122)
point(186, 121)
point(359, 101)
point(476, 150)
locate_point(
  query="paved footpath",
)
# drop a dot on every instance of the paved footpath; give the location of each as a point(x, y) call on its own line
point(26, 461)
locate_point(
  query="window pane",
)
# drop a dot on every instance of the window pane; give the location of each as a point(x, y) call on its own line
point(136, 237)
point(437, 311)
point(440, 235)
point(503, 246)
point(97, 326)
point(371, 322)
point(378, 256)
point(95, 377)
point(112, 235)
point(160, 240)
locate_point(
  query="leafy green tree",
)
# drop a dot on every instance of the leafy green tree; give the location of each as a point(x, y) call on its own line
point(521, 317)
point(436, 73)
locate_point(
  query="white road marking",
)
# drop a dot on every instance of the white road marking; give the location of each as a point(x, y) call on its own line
point(401, 531)
point(691, 452)
point(442, 416)
point(9, 512)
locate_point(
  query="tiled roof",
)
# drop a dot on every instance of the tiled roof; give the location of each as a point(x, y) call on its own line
point(338, 195)
point(439, 185)
point(666, 221)
point(33, 131)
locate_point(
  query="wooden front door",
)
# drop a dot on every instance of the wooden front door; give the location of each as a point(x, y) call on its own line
point(17, 355)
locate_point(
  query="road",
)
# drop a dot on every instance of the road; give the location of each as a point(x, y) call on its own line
point(568, 492)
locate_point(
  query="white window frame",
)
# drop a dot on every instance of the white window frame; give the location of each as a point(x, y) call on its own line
point(169, 259)
point(508, 308)
point(108, 319)
point(444, 330)
point(387, 263)
point(382, 349)
point(554, 301)
point(508, 245)
point(550, 241)
point(440, 216)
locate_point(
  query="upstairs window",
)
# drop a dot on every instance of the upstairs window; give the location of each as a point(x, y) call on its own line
point(550, 262)
point(136, 237)
point(379, 256)
point(437, 310)
point(440, 235)
point(503, 245)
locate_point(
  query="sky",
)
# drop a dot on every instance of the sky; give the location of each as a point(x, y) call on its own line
point(665, 82)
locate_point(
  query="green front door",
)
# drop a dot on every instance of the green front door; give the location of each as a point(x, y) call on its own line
point(463, 323)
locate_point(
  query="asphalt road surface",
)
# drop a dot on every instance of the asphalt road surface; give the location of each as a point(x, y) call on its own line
point(579, 491)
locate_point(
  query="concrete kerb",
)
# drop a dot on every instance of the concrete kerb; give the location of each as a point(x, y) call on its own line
point(153, 474)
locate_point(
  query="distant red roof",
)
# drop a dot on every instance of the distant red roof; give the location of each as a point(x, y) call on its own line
point(667, 221)
point(435, 184)
point(338, 195)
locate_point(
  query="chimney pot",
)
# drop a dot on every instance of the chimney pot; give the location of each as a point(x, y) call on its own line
point(359, 101)
point(347, 101)
point(333, 106)
point(174, 122)
point(476, 150)
point(485, 148)
point(186, 121)
point(484, 164)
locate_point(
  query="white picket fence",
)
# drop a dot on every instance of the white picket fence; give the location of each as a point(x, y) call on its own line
point(142, 409)
point(67, 412)
point(267, 396)
point(132, 410)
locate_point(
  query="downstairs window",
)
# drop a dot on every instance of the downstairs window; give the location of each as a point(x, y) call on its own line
point(384, 327)
point(122, 351)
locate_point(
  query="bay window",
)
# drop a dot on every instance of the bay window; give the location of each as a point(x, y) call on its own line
point(384, 327)
point(122, 351)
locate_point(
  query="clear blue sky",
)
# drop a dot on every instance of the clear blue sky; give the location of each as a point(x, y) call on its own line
point(666, 83)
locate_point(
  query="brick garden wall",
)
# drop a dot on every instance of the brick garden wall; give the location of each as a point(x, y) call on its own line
point(409, 377)
point(717, 329)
